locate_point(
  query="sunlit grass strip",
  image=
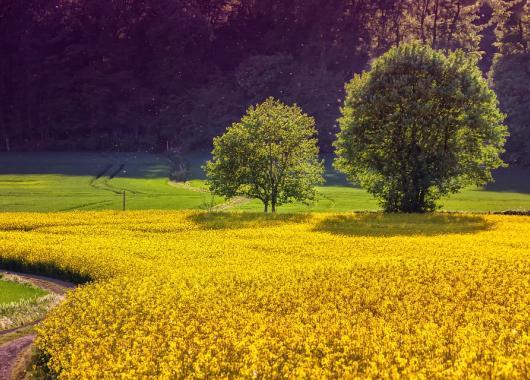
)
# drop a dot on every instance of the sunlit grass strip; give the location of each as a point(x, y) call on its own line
point(16, 314)
point(32, 305)
point(11, 291)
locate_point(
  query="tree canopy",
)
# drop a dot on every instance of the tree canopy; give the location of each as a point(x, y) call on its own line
point(270, 155)
point(148, 74)
point(419, 125)
point(510, 79)
point(510, 74)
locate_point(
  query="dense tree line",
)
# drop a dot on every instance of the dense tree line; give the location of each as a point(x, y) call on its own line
point(153, 74)
point(510, 74)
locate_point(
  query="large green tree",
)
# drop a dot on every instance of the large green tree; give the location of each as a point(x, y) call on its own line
point(419, 125)
point(270, 155)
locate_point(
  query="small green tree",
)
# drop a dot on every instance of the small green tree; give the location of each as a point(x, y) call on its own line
point(419, 125)
point(270, 155)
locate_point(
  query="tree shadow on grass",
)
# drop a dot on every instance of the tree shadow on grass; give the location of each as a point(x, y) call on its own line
point(237, 220)
point(379, 224)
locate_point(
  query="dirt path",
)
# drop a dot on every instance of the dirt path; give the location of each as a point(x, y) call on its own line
point(186, 186)
point(10, 352)
point(231, 203)
point(23, 337)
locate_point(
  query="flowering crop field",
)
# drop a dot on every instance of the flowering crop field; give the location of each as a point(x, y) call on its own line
point(202, 295)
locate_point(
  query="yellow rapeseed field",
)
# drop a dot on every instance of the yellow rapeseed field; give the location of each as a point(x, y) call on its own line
point(190, 294)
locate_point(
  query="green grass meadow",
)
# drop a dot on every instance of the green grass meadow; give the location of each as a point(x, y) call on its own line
point(90, 181)
point(96, 181)
point(14, 292)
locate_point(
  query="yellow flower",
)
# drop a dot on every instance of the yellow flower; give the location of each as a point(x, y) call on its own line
point(197, 295)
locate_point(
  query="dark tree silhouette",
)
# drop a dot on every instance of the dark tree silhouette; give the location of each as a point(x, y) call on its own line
point(148, 74)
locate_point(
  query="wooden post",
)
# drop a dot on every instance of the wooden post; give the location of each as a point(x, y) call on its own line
point(123, 200)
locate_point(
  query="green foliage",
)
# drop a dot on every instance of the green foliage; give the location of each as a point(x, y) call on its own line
point(419, 125)
point(264, 74)
point(144, 75)
point(512, 26)
point(271, 155)
point(510, 78)
point(510, 74)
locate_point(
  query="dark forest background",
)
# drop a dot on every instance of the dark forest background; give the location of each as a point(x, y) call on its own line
point(156, 74)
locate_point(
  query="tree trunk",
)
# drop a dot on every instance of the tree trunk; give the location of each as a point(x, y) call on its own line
point(3, 128)
point(265, 207)
point(435, 24)
point(456, 19)
point(422, 20)
point(522, 34)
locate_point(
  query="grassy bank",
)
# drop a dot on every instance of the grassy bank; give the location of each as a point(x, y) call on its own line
point(96, 181)
point(15, 292)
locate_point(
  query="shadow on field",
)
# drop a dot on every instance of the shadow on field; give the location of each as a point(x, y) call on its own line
point(84, 164)
point(377, 224)
point(236, 220)
point(44, 268)
point(513, 179)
